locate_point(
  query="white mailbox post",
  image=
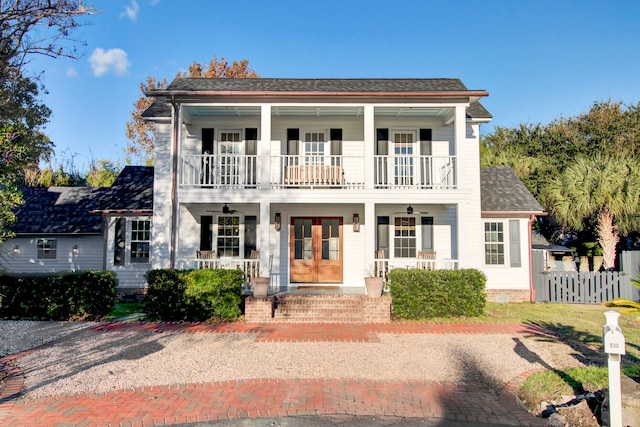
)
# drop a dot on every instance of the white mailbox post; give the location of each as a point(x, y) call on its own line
point(614, 346)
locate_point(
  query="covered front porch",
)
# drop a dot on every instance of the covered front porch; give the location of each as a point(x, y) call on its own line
point(318, 248)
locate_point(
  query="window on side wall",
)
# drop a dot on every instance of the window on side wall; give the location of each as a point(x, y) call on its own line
point(140, 237)
point(404, 239)
point(47, 248)
point(494, 243)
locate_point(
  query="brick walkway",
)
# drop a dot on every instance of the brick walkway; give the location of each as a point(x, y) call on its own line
point(167, 405)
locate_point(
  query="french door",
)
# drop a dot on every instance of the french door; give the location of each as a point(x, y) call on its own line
point(316, 254)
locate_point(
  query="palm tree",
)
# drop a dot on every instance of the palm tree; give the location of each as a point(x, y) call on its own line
point(603, 186)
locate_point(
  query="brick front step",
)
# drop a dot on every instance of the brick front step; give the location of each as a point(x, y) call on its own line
point(318, 308)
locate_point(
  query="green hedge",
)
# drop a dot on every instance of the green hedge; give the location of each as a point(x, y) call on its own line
point(424, 294)
point(193, 295)
point(87, 295)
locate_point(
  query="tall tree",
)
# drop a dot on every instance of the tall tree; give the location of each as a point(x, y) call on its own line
point(139, 132)
point(603, 186)
point(28, 28)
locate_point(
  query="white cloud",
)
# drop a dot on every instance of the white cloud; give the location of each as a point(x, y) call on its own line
point(131, 12)
point(72, 72)
point(112, 60)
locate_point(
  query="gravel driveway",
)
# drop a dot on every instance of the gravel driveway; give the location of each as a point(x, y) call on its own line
point(82, 360)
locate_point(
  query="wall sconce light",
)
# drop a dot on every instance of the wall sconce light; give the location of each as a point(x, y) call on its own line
point(409, 210)
point(16, 249)
point(75, 250)
point(356, 222)
point(277, 221)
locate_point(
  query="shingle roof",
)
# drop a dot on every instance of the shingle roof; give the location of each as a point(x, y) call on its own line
point(67, 210)
point(316, 85)
point(331, 86)
point(502, 191)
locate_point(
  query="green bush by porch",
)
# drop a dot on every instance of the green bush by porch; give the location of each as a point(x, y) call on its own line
point(424, 294)
point(193, 295)
point(87, 295)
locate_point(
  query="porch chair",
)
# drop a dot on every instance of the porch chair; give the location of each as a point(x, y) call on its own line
point(255, 254)
point(206, 254)
point(426, 260)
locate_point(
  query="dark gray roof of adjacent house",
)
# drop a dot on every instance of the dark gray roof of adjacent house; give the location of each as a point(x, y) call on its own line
point(131, 191)
point(274, 86)
point(502, 191)
point(75, 210)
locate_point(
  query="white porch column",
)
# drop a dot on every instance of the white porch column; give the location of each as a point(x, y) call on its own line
point(264, 150)
point(459, 137)
point(263, 238)
point(369, 145)
point(369, 235)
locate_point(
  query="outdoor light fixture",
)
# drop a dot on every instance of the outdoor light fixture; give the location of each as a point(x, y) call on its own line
point(75, 250)
point(409, 210)
point(16, 249)
point(356, 222)
point(277, 221)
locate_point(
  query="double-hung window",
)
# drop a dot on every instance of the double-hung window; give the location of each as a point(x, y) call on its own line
point(229, 236)
point(47, 248)
point(494, 243)
point(404, 240)
point(140, 238)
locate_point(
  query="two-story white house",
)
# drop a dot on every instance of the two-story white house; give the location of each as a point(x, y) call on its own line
point(321, 181)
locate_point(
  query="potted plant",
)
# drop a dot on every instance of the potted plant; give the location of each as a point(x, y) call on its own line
point(374, 283)
point(260, 284)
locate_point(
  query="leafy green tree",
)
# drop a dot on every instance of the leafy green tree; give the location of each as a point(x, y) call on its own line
point(28, 28)
point(102, 173)
point(602, 186)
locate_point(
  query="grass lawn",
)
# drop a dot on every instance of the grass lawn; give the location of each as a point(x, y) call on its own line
point(123, 309)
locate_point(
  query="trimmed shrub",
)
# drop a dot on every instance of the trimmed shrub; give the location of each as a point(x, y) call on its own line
point(165, 299)
point(193, 295)
point(425, 294)
point(214, 293)
point(88, 295)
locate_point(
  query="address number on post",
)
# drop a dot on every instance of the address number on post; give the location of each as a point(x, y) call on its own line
point(614, 342)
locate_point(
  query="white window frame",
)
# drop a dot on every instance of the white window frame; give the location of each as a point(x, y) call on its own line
point(139, 241)
point(496, 242)
point(416, 236)
point(215, 236)
point(42, 249)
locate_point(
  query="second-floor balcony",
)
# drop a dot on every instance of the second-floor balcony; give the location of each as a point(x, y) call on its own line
point(299, 171)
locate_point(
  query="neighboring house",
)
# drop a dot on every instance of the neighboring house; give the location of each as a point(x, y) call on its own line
point(82, 228)
point(322, 179)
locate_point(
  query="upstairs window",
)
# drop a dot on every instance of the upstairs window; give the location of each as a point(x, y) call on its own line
point(313, 147)
point(47, 248)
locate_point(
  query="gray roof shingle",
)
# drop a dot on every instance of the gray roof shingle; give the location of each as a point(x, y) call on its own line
point(67, 210)
point(502, 191)
point(331, 86)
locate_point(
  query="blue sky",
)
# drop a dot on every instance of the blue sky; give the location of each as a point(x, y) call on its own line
point(538, 60)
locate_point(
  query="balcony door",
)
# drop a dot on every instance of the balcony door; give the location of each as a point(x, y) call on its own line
point(403, 147)
point(230, 147)
point(316, 250)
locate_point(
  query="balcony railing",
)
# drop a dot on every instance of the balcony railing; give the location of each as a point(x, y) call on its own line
point(317, 171)
point(390, 172)
point(414, 172)
point(219, 171)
